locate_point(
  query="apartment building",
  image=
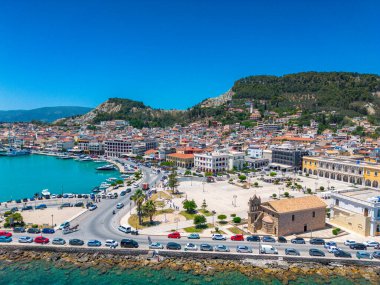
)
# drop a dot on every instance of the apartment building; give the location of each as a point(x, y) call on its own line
point(356, 210)
point(120, 147)
point(288, 155)
point(218, 161)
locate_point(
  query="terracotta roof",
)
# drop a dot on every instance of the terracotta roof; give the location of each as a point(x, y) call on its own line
point(297, 204)
point(180, 155)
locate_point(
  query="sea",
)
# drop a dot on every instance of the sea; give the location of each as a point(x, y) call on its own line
point(22, 176)
point(42, 272)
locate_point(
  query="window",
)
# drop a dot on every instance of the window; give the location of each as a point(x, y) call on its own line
point(313, 214)
point(337, 202)
point(292, 218)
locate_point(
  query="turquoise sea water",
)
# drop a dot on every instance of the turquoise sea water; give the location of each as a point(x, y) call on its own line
point(21, 177)
point(40, 272)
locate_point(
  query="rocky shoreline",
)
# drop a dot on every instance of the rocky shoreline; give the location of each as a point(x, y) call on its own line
point(256, 269)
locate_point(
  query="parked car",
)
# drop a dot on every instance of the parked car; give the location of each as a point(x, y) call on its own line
point(111, 243)
point(362, 254)
point(254, 238)
point(371, 243)
point(190, 246)
point(376, 254)
point(156, 245)
point(218, 237)
point(5, 239)
point(66, 205)
point(243, 249)
point(193, 236)
point(41, 239)
point(173, 245)
point(58, 241)
point(123, 229)
point(26, 208)
point(123, 193)
point(76, 241)
point(317, 241)
point(298, 240)
point(129, 243)
point(79, 204)
point(94, 243)
point(268, 239)
point(205, 247)
point(41, 206)
point(358, 246)
point(5, 234)
point(221, 248)
point(119, 205)
point(332, 249)
point(342, 253)
point(25, 239)
point(33, 231)
point(48, 231)
point(282, 239)
point(19, 230)
point(237, 237)
point(349, 242)
point(329, 243)
point(268, 249)
point(174, 235)
point(316, 252)
point(292, 251)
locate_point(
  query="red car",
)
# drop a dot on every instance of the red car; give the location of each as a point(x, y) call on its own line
point(41, 239)
point(174, 235)
point(5, 234)
point(238, 237)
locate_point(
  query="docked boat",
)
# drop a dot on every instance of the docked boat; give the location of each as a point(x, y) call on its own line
point(86, 158)
point(96, 189)
point(15, 152)
point(106, 167)
point(45, 192)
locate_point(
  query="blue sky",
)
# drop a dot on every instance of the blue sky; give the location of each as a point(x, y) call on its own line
point(173, 54)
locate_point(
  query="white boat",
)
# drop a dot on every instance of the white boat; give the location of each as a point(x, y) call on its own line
point(45, 192)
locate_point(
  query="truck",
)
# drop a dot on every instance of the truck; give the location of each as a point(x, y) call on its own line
point(145, 186)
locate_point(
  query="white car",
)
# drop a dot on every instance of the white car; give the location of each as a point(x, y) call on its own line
point(111, 243)
point(123, 229)
point(25, 240)
point(53, 196)
point(371, 243)
point(119, 205)
point(333, 249)
point(349, 242)
point(135, 186)
point(329, 243)
point(64, 225)
point(92, 207)
point(218, 237)
point(190, 246)
point(156, 245)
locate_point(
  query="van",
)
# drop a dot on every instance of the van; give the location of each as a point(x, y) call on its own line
point(268, 249)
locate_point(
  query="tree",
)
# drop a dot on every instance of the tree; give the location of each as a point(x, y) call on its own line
point(286, 194)
point(322, 188)
point(204, 205)
point(199, 221)
point(222, 217)
point(207, 173)
point(138, 197)
point(274, 195)
point(173, 181)
point(236, 220)
point(149, 209)
point(256, 184)
point(187, 172)
point(189, 206)
point(242, 177)
point(14, 219)
point(272, 174)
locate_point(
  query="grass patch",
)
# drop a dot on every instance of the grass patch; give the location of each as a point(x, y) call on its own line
point(161, 194)
point(193, 229)
point(188, 216)
point(164, 211)
point(205, 213)
point(236, 231)
point(133, 221)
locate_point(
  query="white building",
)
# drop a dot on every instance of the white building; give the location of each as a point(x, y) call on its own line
point(356, 210)
point(218, 161)
point(255, 152)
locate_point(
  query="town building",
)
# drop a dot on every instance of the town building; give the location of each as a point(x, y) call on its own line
point(286, 216)
point(288, 157)
point(356, 210)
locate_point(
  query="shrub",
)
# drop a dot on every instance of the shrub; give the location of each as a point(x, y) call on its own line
point(236, 220)
point(286, 194)
point(272, 174)
point(256, 184)
point(233, 215)
point(34, 226)
point(222, 217)
point(322, 188)
point(274, 195)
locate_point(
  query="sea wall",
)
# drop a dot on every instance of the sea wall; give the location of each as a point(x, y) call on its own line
point(198, 263)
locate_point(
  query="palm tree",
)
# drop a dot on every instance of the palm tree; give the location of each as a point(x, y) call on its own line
point(149, 209)
point(138, 197)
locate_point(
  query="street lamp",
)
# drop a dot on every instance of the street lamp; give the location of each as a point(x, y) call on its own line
point(234, 200)
point(52, 223)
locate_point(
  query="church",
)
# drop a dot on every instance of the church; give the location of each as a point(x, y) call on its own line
point(286, 216)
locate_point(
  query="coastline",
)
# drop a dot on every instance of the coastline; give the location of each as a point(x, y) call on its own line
point(264, 269)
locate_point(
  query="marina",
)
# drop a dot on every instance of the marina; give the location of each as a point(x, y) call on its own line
point(27, 175)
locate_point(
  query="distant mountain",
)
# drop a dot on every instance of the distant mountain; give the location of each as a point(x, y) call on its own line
point(45, 114)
